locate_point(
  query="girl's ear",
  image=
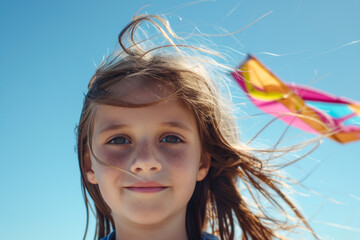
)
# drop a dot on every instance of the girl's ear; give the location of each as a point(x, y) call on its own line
point(204, 167)
point(88, 169)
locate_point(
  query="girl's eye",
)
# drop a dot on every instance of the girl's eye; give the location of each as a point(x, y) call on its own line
point(171, 139)
point(119, 140)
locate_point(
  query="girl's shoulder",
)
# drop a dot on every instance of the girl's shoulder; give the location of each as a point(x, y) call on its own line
point(208, 236)
point(111, 236)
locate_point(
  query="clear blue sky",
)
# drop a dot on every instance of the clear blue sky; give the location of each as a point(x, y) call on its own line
point(47, 55)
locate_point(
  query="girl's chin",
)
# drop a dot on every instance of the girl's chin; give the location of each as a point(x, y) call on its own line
point(144, 216)
point(149, 221)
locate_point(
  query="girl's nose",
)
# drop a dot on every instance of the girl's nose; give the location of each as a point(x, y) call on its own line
point(145, 160)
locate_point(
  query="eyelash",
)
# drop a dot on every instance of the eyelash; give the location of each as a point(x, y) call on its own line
point(127, 141)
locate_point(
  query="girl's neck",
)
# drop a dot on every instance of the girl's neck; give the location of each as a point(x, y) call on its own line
point(173, 228)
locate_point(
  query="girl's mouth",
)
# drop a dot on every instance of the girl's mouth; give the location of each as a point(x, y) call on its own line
point(146, 187)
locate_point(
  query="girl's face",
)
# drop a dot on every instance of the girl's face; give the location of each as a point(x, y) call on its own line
point(159, 144)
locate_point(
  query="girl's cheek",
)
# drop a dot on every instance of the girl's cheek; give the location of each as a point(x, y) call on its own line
point(114, 157)
point(175, 155)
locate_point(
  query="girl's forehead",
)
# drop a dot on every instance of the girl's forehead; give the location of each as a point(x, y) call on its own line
point(160, 106)
point(137, 90)
point(170, 112)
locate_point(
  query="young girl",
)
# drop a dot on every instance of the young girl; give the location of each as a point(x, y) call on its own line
point(159, 153)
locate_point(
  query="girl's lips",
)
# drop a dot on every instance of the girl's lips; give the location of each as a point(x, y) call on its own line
point(146, 187)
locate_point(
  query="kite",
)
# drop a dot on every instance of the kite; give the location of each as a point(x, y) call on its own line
point(306, 108)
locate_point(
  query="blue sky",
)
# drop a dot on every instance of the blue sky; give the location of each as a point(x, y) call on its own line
point(47, 55)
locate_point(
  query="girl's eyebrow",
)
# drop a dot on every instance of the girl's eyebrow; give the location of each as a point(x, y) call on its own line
point(176, 124)
point(173, 124)
point(112, 127)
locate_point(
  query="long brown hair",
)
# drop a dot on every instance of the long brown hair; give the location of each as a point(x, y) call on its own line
point(217, 201)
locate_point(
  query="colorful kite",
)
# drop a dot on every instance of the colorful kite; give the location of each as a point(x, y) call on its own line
point(308, 109)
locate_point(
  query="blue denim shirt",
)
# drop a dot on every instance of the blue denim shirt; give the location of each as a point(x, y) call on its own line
point(205, 236)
